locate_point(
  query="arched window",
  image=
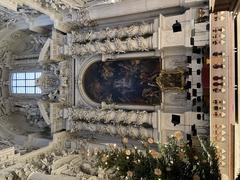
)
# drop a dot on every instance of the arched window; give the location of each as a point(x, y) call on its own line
point(24, 83)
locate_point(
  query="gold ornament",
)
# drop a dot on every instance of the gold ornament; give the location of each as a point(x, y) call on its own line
point(154, 154)
point(128, 152)
point(178, 135)
point(157, 172)
point(112, 146)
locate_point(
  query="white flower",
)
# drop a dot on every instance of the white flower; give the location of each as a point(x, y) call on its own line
point(125, 140)
point(178, 135)
point(128, 152)
point(157, 172)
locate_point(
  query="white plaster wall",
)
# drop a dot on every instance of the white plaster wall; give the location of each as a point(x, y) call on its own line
point(237, 150)
point(168, 38)
point(187, 119)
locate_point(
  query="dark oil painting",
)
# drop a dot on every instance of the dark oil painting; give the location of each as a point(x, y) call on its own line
point(124, 82)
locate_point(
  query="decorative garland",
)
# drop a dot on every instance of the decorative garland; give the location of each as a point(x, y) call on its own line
point(175, 160)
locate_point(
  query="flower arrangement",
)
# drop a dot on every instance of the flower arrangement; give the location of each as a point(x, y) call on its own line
point(175, 160)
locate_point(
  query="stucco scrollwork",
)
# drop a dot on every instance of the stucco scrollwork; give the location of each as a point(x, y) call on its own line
point(79, 162)
point(48, 82)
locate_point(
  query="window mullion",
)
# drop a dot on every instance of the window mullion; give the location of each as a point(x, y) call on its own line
point(21, 87)
point(25, 83)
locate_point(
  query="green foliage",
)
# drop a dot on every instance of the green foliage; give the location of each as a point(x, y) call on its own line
point(175, 160)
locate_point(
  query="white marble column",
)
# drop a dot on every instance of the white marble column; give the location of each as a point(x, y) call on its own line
point(110, 116)
point(111, 33)
point(107, 47)
point(129, 131)
point(41, 176)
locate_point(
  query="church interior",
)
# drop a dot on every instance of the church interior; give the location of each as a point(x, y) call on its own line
point(80, 76)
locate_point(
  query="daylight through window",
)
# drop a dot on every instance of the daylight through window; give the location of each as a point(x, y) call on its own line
point(24, 83)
